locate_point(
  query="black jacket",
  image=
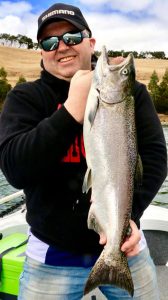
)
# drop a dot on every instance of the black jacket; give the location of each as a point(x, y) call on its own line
point(41, 151)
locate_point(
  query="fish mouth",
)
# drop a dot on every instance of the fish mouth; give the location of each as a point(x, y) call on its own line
point(113, 66)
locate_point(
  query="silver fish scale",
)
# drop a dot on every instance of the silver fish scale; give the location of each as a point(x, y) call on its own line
point(112, 160)
point(111, 154)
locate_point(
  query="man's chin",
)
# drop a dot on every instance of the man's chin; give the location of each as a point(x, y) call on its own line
point(65, 75)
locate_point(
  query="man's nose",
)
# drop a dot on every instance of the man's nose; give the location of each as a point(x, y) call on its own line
point(62, 46)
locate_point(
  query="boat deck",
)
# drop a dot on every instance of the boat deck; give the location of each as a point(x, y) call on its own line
point(155, 226)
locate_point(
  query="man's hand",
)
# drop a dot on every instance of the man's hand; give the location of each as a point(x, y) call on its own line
point(78, 93)
point(131, 244)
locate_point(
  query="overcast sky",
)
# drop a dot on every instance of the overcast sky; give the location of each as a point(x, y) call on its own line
point(133, 25)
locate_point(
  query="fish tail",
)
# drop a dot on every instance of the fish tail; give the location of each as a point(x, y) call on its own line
point(116, 272)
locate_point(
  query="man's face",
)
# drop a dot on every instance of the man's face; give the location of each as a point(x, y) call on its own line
point(66, 60)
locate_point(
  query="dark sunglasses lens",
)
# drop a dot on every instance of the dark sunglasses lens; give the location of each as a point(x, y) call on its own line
point(72, 38)
point(50, 43)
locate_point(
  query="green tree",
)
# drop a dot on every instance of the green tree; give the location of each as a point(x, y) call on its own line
point(159, 92)
point(5, 87)
point(12, 39)
point(21, 79)
point(112, 53)
point(3, 73)
point(29, 43)
point(159, 54)
point(154, 88)
point(141, 54)
point(163, 91)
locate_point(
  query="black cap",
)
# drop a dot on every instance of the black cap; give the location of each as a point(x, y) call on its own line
point(61, 11)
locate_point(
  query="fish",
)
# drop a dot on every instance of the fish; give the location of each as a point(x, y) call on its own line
point(110, 141)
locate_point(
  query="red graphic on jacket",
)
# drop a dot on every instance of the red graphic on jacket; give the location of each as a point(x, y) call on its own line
point(76, 150)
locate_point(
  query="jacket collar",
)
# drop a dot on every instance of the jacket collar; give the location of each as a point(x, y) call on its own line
point(54, 81)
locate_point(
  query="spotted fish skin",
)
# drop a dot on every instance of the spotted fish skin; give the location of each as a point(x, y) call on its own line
point(111, 154)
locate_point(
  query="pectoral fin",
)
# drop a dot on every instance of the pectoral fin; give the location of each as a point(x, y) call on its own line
point(94, 103)
point(87, 183)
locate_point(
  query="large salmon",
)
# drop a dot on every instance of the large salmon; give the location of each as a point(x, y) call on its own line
point(111, 154)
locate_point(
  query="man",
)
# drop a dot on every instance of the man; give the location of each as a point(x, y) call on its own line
point(41, 151)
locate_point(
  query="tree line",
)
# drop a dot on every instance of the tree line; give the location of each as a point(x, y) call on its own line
point(18, 41)
point(142, 54)
point(22, 41)
point(5, 87)
point(158, 89)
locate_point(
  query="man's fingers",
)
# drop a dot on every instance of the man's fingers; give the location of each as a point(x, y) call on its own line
point(133, 252)
point(78, 94)
point(103, 239)
point(132, 242)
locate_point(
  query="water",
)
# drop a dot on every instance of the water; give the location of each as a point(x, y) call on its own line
point(161, 198)
point(5, 188)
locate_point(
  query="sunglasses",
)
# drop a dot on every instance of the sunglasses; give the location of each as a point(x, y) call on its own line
point(69, 38)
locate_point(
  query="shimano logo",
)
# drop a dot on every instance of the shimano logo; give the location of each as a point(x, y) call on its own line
point(58, 12)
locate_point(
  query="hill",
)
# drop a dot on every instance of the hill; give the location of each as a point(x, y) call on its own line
point(20, 62)
point(27, 63)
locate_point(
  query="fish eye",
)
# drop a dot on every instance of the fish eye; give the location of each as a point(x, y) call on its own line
point(124, 71)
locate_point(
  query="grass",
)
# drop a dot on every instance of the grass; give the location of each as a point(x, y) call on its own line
point(27, 63)
point(20, 62)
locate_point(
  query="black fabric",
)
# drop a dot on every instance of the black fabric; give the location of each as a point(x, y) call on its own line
point(5, 296)
point(41, 151)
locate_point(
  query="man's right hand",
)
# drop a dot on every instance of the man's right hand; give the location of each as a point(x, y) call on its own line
point(78, 94)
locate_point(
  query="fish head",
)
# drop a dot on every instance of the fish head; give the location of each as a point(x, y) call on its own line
point(114, 81)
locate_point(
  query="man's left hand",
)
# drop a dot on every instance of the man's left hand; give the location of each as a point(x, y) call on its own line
point(131, 244)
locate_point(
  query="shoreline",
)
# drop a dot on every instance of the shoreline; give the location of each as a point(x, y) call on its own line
point(163, 119)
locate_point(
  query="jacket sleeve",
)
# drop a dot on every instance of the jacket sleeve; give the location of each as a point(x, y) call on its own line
point(31, 141)
point(152, 149)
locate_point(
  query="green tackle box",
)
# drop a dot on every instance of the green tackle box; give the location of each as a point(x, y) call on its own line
point(12, 256)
